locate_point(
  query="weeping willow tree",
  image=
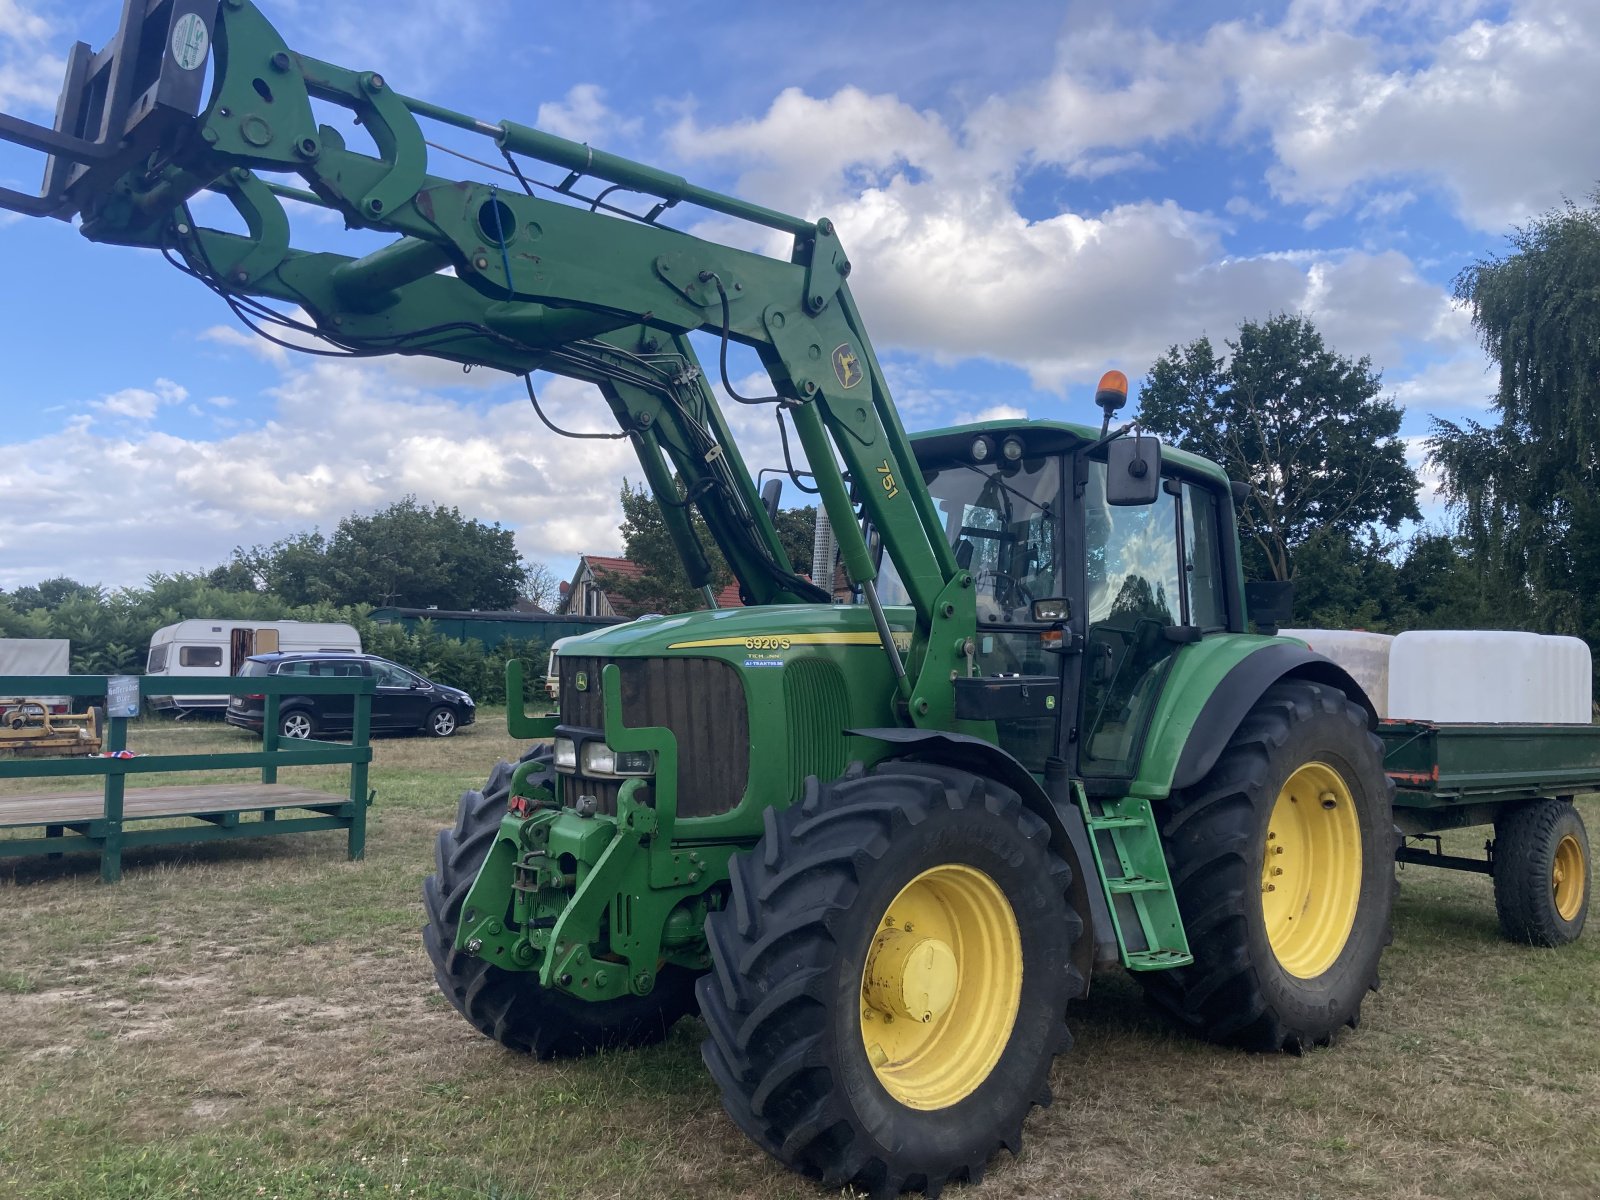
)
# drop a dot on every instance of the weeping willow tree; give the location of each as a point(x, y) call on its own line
point(1525, 489)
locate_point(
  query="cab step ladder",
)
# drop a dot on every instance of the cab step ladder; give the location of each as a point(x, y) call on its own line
point(1133, 870)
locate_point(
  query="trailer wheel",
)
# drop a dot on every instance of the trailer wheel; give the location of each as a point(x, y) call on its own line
point(1541, 873)
point(510, 1006)
point(1283, 863)
point(890, 978)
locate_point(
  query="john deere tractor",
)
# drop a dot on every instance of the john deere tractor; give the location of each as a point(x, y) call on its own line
point(877, 846)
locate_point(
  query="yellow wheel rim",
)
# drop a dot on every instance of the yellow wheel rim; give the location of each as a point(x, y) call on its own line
point(941, 987)
point(1569, 877)
point(1311, 871)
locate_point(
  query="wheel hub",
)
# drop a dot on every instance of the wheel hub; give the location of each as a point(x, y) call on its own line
point(1311, 870)
point(911, 977)
point(1568, 877)
point(941, 987)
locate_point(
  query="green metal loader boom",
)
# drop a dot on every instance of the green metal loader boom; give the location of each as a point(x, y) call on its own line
point(565, 280)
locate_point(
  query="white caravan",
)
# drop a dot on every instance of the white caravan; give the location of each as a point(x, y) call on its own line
point(209, 648)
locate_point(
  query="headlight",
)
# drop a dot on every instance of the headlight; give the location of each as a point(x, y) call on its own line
point(566, 754)
point(468, 701)
point(600, 759)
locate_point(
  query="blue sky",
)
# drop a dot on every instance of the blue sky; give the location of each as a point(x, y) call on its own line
point(1031, 193)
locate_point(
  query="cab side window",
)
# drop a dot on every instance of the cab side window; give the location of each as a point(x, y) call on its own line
point(1202, 559)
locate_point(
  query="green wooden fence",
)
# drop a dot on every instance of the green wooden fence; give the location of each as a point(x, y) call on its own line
point(216, 807)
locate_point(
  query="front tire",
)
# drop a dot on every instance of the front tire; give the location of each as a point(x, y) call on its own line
point(890, 979)
point(1541, 873)
point(1282, 859)
point(510, 1006)
point(441, 722)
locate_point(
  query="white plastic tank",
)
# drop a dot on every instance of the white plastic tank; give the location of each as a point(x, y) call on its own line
point(1490, 676)
point(1365, 655)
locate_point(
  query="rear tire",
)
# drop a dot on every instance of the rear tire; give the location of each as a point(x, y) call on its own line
point(1541, 873)
point(1294, 823)
point(297, 724)
point(809, 1061)
point(510, 1006)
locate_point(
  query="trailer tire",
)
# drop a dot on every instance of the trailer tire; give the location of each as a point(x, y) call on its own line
point(810, 964)
point(1299, 787)
point(510, 1006)
point(1541, 872)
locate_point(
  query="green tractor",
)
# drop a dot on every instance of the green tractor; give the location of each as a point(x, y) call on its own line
point(878, 846)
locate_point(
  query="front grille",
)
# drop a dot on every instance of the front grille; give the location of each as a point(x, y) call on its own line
point(701, 700)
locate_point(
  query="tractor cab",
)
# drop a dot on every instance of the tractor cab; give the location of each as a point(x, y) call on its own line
point(1080, 580)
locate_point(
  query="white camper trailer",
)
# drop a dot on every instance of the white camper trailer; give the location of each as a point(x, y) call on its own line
point(209, 648)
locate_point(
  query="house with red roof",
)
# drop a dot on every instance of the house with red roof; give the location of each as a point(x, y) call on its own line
point(586, 595)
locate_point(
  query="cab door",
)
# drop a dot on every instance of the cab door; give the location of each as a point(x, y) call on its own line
point(1153, 583)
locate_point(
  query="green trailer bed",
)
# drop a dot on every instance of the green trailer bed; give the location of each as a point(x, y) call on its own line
point(1519, 779)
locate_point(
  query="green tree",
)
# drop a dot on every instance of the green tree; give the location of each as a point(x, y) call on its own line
point(407, 554)
point(663, 585)
point(1524, 488)
point(1306, 428)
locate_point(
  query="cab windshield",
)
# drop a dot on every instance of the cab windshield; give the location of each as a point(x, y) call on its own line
point(1003, 520)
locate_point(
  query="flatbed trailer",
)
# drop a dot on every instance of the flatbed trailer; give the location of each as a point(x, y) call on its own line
point(1519, 779)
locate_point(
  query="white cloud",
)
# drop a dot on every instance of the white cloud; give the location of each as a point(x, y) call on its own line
point(342, 436)
point(583, 116)
point(948, 266)
point(30, 76)
point(1500, 115)
point(141, 404)
point(1465, 380)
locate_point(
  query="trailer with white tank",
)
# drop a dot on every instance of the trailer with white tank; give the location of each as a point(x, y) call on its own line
point(1493, 729)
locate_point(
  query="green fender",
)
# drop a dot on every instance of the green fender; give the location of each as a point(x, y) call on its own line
point(1211, 687)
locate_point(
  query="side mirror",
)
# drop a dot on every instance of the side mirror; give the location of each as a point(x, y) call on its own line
point(1269, 603)
point(1133, 471)
point(771, 493)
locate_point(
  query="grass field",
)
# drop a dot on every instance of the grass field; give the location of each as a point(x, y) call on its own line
point(259, 1019)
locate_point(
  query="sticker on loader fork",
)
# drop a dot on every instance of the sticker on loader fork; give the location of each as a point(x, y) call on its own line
point(190, 41)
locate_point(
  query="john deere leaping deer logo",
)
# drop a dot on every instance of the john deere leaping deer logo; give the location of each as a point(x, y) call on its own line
point(846, 366)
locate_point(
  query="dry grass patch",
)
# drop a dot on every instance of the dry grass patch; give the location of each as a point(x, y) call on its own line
point(259, 1019)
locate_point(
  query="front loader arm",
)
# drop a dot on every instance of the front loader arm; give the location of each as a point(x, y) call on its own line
point(496, 276)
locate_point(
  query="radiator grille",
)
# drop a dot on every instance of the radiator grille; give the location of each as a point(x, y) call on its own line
point(701, 700)
point(819, 712)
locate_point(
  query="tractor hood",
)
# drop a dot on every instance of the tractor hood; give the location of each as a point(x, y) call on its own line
point(770, 629)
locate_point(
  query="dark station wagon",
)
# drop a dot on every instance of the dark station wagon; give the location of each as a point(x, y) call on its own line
point(402, 700)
